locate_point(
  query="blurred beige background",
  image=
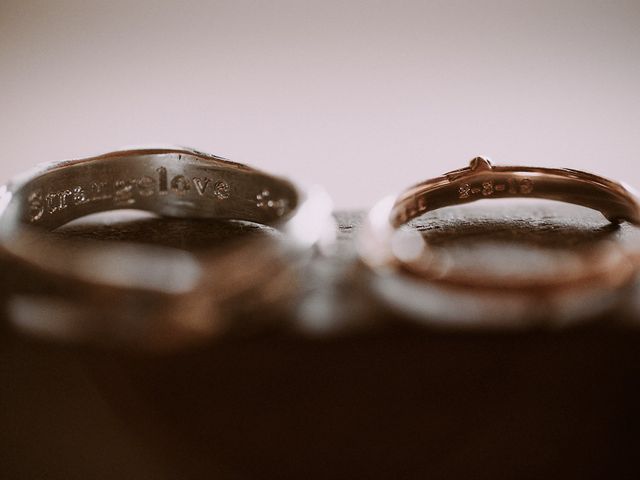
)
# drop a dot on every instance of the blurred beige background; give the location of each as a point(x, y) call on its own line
point(363, 97)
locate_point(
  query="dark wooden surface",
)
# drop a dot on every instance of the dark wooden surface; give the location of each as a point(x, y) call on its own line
point(344, 388)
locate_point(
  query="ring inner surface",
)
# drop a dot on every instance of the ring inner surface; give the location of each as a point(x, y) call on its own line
point(169, 183)
point(569, 186)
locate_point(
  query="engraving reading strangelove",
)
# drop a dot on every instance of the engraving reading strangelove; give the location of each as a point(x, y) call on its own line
point(124, 191)
point(522, 186)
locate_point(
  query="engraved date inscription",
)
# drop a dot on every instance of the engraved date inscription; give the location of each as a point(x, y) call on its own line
point(521, 186)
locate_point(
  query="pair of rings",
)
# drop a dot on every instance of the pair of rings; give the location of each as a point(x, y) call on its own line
point(160, 297)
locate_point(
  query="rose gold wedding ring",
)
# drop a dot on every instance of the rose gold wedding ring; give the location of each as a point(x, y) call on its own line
point(410, 275)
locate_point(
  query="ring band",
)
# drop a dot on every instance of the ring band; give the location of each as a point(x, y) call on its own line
point(153, 296)
point(404, 267)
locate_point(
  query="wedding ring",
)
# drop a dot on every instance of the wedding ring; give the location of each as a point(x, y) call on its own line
point(412, 276)
point(146, 295)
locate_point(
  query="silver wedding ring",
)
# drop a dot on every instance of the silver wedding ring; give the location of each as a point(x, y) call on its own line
point(144, 295)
